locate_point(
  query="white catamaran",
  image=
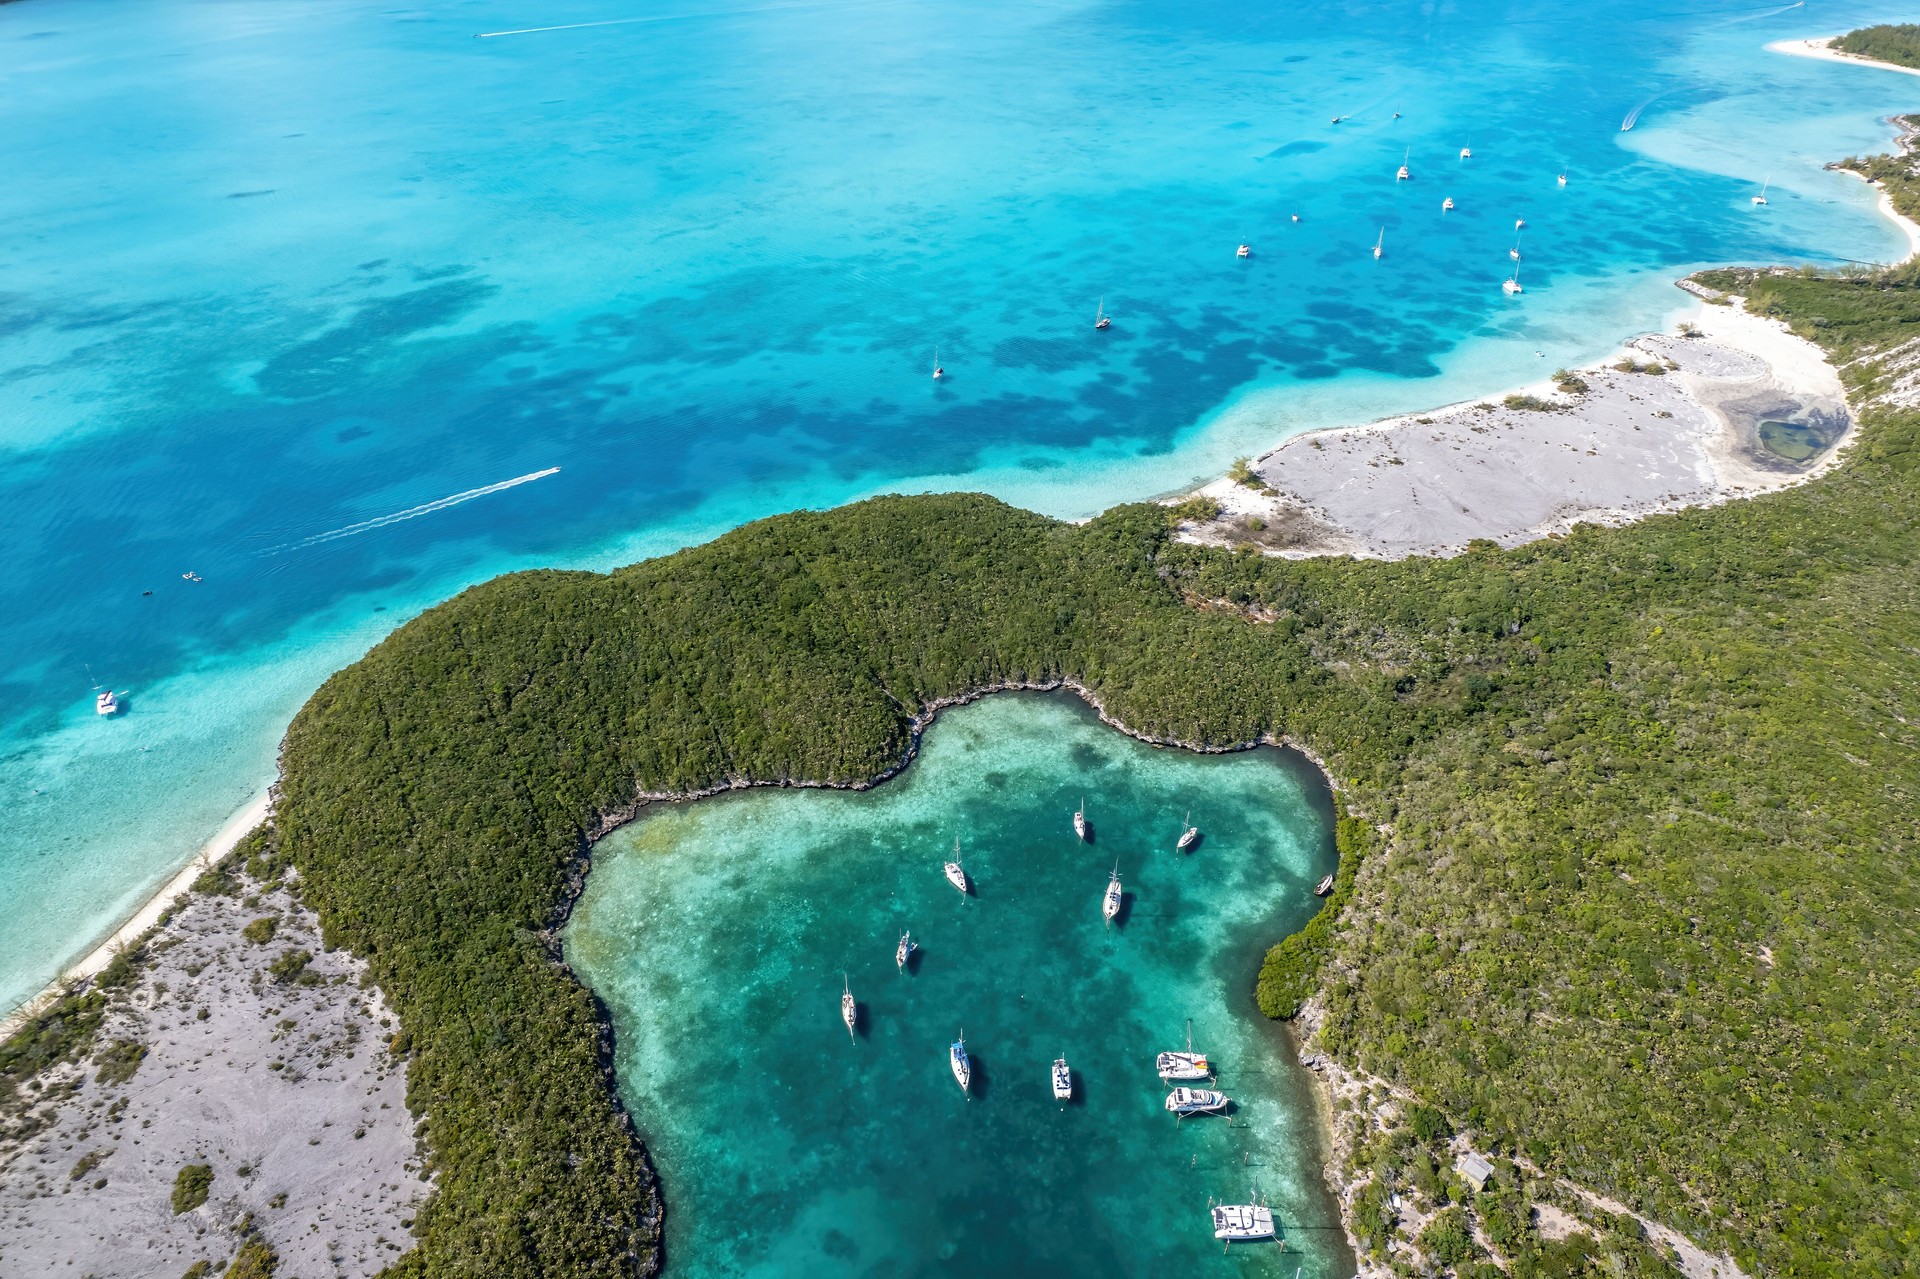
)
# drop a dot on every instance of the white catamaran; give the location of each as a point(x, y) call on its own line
point(849, 1011)
point(1183, 1065)
point(106, 703)
point(1062, 1080)
point(906, 948)
point(962, 1068)
point(1110, 902)
point(1189, 834)
point(1196, 1101)
point(955, 875)
point(1242, 1221)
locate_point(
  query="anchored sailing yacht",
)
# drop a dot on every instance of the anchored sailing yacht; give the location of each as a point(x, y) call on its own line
point(938, 372)
point(955, 875)
point(907, 946)
point(1190, 835)
point(1062, 1080)
point(1324, 887)
point(1762, 197)
point(106, 703)
point(1446, 205)
point(1519, 224)
point(849, 1011)
point(1110, 903)
point(1404, 172)
point(1080, 818)
point(1380, 245)
point(1183, 1065)
point(1196, 1101)
point(1511, 285)
point(962, 1068)
point(1101, 320)
point(1242, 1221)
point(1563, 179)
point(1244, 251)
point(1466, 153)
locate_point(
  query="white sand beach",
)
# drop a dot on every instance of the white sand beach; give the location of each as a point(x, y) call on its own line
point(1820, 47)
point(1671, 421)
point(237, 828)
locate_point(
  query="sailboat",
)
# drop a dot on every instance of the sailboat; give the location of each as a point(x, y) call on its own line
point(1380, 245)
point(1101, 320)
point(1189, 834)
point(1324, 887)
point(1514, 252)
point(906, 948)
point(1563, 179)
point(1242, 1221)
point(962, 1067)
point(1519, 224)
point(1110, 902)
point(849, 1011)
point(1183, 1065)
point(955, 875)
point(1244, 251)
point(1511, 285)
point(1446, 205)
point(105, 703)
point(938, 372)
point(1404, 172)
point(1080, 819)
point(1062, 1080)
point(1466, 153)
point(1762, 197)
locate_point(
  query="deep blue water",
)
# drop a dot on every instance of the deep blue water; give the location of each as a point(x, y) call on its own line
point(272, 272)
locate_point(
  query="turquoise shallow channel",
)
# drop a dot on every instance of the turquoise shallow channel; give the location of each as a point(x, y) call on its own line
point(718, 932)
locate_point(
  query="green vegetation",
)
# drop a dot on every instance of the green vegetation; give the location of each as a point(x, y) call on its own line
point(191, 1185)
point(1895, 43)
point(261, 930)
point(118, 1062)
point(1641, 913)
point(198, 1270)
point(87, 1163)
point(1528, 403)
point(64, 1032)
point(255, 1260)
point(292, 966)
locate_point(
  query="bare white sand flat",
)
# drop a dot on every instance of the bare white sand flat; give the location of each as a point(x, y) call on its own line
point(1821, 47)
point(1684, 430)
point(283, 1087)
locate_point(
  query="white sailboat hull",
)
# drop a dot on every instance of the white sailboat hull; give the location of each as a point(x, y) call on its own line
point(1187, 1065)
point(1062, 1081)
point(962, 1067)
point(1242, 1221)
point(956, 876)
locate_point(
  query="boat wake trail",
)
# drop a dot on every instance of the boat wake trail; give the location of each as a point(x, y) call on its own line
point(1766, 13)
point(412, 512)
point(1633, 116)
point(669, 17)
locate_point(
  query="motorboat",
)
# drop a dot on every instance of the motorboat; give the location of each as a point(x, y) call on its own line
point(849, 1010)
point(955, 874)
point(1110, 902)
point(1189, 834)
point(1324, 887)
point(962, 1068)
point(906, 948)
point(1062, 1080)
point(1183, 1065)
point(1196, 1101)
point(106, 703)
point(1242, 1221)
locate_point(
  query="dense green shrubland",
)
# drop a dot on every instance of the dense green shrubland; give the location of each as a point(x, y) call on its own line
point(1646, 913)
point(1898, 43)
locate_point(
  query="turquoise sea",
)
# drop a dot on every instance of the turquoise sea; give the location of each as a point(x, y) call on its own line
point(720, 933)
point(291, 293)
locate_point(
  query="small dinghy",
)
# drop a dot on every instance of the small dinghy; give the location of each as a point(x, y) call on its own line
point(1183, 1065)
point(1080, 819)
point(1324, 887)
point(1242, 1221)
point(1189, 834)
point(1196, 1101)
point(906, 948)
point(955, 875)
point(849, 1011)
point(962, 1068)
point(1062, 1080)
point(1110, 902)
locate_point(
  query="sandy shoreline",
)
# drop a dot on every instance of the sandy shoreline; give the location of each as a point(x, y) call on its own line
point(1819, 48)
point(237, 828)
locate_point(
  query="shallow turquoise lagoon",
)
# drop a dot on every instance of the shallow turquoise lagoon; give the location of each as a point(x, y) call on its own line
point(718, 933)
point(290, 290)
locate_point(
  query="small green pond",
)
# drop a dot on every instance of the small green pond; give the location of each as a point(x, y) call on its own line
point(718, 933)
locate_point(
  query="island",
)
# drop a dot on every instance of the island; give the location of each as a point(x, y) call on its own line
point(1616, 975)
